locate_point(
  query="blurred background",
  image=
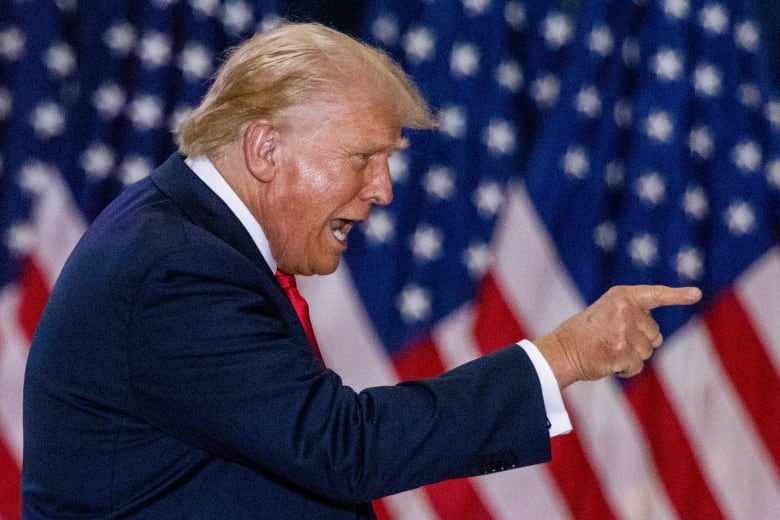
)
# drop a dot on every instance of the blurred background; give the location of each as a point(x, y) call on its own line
point(580, 145)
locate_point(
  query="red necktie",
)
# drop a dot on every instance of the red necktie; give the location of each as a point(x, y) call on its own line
point(287, 281)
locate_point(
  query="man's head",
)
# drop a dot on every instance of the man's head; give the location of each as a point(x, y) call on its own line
point(301, 122)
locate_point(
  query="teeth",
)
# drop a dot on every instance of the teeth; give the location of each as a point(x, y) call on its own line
point(340, 235)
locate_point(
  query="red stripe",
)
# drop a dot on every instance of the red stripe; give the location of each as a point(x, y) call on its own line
point(10, 498)
point(745, 360)
point(381, 511)
point(674, 459)
point(496, 326)
point(453, 498)
point(418, 361)
point(33, 293)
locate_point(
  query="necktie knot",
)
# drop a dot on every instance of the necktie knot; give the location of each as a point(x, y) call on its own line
point(287, 281)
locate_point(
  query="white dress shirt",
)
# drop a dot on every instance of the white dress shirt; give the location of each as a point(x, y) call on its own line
point(205, 170)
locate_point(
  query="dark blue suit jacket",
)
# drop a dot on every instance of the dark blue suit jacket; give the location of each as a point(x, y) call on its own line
point(170, 378)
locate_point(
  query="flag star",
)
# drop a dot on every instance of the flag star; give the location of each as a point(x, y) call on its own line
point(476, 6)
point(557, 30)
point(643, 249)
point(747, 36)
point(195, 61)
point(426, 243)
point(601, 41)
point(605, 236)
point(178, 116)
point(707, 80)
point(120, 38)
point(98, 161)
point(452, 121)
point(679, 9)
point(614, 174)
point(488, 199)
point(36, 176)
point(714, 18)
point(689, 263)
point(740, 218)
point(207, 7)
point(385, 30)
point(772, 113)
point(478, 259)
point(21, 239)
point(6, 103)
point(270, 21)
point(659, 126)
point(701, 142)
point(237, 16)
point(438, 183)
point(60, 60)
point(146, 112)
point(631, 52)
point(514, 14)
point(747, 156)
point(623, 113)
point(464, 59)
point(109, 100)
point(154, 49)
point(545, 90)
point(414, 304)
point(399, 167)
point(134, 168)
point(499, 137)
point(667, 64)
point(419, 44)
point(510, 76)
point(773, 173)
point(749, 95)
point(48, 119)
point(379, 228)
point(575, 162)
point(651, 188)
point(588, 102)
point(11, 43)
point(695, 202)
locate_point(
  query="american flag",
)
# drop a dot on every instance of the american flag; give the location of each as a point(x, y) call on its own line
point(635, 142)
point(626, 142)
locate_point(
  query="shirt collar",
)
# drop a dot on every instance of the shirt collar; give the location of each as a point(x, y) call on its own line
point(206, 172)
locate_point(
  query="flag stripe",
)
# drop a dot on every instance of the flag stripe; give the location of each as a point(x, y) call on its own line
point(721, 434)
point(33, 293)
point(10, 505)
point(673, 456)
point(538, 288)
point(745, 361)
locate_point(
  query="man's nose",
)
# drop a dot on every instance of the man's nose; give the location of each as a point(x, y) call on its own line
point(379, 185)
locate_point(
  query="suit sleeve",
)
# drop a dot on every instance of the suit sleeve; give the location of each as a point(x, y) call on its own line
point(215, 365)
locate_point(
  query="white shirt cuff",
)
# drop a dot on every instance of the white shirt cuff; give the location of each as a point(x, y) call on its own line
point(551, 394)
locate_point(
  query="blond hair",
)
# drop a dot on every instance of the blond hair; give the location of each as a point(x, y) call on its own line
point(287, 66)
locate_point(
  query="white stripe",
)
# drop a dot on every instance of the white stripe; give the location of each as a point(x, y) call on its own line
point(58, 225)
point(538, 289)
point(13, 357)
point(730, 453)
point(351, 347)
point(528, 490)
point(759, 291)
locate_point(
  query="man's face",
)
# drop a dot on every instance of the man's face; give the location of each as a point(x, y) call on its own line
point(332, 166)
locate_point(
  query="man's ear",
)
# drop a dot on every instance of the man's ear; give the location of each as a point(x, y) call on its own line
point(260, 142)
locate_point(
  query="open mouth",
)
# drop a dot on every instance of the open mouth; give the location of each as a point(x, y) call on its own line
point(340, 228)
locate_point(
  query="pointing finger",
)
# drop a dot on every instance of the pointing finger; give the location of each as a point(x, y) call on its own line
point(652, 296)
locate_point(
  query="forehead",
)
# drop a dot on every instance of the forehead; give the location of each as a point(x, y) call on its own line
point(353, 116)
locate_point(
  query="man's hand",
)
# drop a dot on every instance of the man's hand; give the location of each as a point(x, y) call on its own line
point(615, 335)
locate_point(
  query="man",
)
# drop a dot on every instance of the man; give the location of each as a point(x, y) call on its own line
point(170, 376)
